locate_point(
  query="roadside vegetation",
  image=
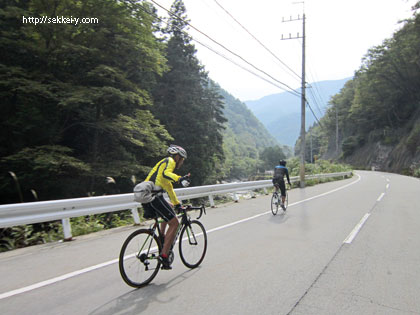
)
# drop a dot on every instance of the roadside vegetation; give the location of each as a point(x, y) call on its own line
point(374, 121)
point(40, 233)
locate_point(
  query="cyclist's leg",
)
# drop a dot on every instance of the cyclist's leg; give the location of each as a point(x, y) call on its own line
point(163, 228)
point(276, 185)
point(170, 235)
point(168, 215)
point(283, 191)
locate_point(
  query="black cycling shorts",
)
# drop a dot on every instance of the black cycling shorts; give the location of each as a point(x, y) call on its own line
point(160, 207)
point(280, 183)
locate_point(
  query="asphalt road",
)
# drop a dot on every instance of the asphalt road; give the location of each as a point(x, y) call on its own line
point(345, 247)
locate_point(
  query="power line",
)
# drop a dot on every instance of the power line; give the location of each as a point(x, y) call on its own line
point(318, 93)
point(242, 67)
point(316, 118)
point(223, 56)
point(314, 98)
point(259, 42)
point(230, 51)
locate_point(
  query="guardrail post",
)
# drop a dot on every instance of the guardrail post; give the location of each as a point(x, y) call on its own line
point(235, 197)
point(45, 211)
point(211, 201)
point(253, 194)
point(265, 191)
point(136, 216)
point(66, 229)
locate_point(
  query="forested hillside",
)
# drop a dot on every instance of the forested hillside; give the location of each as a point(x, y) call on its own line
point(88, 109)
point(377, 114)
point(245, 138)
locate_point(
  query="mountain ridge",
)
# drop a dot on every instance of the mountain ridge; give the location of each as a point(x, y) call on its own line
point(285, 124)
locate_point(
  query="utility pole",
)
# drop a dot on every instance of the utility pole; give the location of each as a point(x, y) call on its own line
point(303, 99)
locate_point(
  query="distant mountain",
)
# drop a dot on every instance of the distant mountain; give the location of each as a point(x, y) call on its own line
point(243, 139)
point(246, 127)
point(280, 113)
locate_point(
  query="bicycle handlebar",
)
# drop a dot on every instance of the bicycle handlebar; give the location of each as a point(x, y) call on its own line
point(190, 207)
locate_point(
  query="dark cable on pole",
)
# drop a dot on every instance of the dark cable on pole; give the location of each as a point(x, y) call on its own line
point(225, 57)
point(303, 102)
point(233, 53)
point(303, 99)
point(259, 42)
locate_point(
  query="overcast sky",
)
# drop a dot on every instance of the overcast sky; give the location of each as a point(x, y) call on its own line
point(338, 35)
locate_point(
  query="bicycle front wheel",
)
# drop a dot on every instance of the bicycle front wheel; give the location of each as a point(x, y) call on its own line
point(286, 201)
point(193, 244)
point(138, 260)
point(275, 201)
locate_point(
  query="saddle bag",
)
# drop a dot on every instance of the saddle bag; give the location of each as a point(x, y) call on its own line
point(145, 192)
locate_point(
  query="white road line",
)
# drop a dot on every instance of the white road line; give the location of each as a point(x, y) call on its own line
point(290, 205)
point(56, 279)
point(387, 186)
point(356, 229)
point(380, 197)
point(81, 271)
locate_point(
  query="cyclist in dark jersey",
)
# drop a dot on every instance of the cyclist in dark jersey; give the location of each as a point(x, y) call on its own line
point(278, 180)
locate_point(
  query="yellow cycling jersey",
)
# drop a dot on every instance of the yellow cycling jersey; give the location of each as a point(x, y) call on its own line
point(163, 175)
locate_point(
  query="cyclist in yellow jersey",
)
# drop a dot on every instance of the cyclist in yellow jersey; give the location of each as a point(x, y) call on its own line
point(163, 176)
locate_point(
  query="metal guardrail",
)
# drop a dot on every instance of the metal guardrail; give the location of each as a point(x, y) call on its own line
point(44, 211)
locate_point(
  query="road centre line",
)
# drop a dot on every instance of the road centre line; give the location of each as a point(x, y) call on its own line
point(356, 229)
point(105, 264)
point(380, 197)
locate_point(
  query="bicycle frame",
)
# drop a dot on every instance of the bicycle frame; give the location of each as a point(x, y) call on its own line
point(143, 257)
point(185, 219)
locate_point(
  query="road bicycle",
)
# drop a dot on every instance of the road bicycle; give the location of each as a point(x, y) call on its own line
point(276, 202)
point(138, 260)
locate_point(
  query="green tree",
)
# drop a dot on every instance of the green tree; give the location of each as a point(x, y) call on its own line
point(76, 100)
point(188, 104)
point(270, 157)
point(382, 102)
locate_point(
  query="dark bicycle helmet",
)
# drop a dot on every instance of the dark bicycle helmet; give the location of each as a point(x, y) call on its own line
point(176, 149)
point(282, 162)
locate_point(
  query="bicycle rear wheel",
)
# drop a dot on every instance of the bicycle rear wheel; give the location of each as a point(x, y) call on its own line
point(275, 203)
point(138, 260)
point(193, 244)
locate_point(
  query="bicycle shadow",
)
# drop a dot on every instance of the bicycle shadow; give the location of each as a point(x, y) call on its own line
point(137, 300)
point(279, 218)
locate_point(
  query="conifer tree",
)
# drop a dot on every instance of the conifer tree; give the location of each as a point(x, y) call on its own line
point(76, 98)
point(187, 102)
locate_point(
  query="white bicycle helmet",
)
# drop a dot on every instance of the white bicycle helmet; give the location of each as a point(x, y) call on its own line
point(176, 149)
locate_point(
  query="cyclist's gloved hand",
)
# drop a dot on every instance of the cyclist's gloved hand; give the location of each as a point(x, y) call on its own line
point(178, 207)
point(185, 180)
